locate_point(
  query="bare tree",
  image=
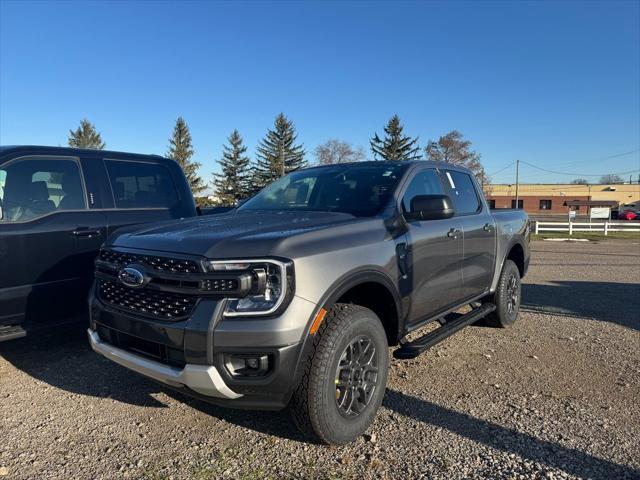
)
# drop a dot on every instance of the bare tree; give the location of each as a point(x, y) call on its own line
point(611, 178)
point(580, 181)
point(453, 148)
point(338, 151)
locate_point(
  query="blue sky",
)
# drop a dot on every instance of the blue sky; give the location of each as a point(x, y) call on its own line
point(556, 84)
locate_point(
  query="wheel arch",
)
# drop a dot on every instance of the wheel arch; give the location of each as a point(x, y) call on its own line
point(516, 252)
point(345, 288)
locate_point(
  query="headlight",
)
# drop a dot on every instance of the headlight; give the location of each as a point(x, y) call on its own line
point(271, 285)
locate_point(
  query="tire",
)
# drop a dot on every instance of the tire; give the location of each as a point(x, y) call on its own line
point(507, 297)
point(319, 404)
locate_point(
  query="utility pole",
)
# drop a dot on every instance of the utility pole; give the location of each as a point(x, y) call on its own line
point(517, 175)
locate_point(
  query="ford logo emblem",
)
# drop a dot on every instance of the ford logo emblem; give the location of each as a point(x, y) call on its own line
point(132, 277)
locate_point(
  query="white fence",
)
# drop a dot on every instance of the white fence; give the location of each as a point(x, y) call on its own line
point(571, 227)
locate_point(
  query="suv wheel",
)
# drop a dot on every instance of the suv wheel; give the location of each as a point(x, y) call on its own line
point(344, 378)
point(507, 297)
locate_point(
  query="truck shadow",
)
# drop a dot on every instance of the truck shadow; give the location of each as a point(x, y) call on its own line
point(570, 460)
point(65, 361)
point(605, 301)
point(552, 454)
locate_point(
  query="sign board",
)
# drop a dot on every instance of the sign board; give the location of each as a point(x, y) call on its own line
point(572, 215)
point(600, 212)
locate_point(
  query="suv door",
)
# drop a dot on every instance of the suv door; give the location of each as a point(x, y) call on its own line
point(44, 227)
point(141, 192)
point(435, 253)
point(478, 227)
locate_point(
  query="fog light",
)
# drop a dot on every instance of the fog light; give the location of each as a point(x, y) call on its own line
point(241, 365)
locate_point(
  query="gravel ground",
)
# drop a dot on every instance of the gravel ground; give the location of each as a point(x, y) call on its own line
point(556, 396)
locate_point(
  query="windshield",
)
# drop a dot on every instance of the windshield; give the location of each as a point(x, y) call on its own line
point(359, 189)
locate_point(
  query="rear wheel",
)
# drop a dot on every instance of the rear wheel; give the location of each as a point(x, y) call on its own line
point(507, 297)
point(345, 376)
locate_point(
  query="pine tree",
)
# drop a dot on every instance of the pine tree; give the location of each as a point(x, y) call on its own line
point(277, 153)
point(181, 150)
point(233, 183)
point(86, 136)
point(395, 145)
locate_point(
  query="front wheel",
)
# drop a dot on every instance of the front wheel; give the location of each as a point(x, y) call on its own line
point(507, 297)
point(345, 376)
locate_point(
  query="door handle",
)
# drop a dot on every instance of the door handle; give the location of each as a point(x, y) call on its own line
point(487, 227)
point(86, 232)
point(453, 233)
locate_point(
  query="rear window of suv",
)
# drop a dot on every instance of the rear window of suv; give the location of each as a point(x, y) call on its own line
point(141, 185)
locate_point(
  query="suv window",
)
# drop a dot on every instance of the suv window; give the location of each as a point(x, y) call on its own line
point(426, 182)
point(141, 185)
point(33, 187)
point(464, 193)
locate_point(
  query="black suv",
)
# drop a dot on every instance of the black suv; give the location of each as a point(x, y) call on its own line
point(57, 206)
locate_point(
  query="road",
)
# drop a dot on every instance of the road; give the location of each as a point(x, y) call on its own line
point(555, 396)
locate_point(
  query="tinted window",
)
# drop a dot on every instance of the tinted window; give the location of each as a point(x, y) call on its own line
point(358, 189)
point(426, 182)
point(464, 192)
point(141, 185)
point(34, 187)
point(545, 204)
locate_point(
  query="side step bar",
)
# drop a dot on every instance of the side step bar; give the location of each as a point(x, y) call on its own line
point(419, 345)
point(11, 332)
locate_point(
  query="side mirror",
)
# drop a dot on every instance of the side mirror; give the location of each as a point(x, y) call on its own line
point(431, 207)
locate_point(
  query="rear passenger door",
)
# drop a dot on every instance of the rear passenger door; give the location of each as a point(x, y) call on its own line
point(44, 226)
point(141, 192)
point(479, 233)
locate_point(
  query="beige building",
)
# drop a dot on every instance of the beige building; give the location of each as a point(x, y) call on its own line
point(553, 197)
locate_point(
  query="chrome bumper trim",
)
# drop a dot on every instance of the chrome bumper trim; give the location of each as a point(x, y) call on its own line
point(203, 379)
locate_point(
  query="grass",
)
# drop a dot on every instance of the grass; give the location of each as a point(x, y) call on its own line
point(600, 236)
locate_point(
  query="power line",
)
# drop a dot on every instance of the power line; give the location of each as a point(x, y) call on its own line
point(502, 169)
point(598, 159)
point(580, 174)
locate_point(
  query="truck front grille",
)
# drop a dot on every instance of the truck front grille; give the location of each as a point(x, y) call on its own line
point(147, 302)
point(159, 263)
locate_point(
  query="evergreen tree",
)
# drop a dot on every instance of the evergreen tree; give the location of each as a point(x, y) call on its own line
point(277, 154)
point(395, 145)
point(233, 183)
point(181, 150)
point(86, 136)
point(453, 148)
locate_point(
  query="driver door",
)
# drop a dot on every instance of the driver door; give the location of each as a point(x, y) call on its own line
point(435, 255)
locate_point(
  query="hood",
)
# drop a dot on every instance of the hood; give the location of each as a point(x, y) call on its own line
point(236, 234)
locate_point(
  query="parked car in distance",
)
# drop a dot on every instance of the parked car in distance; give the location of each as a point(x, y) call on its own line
point(294, 297)
point(627, 215)
point(57, 206)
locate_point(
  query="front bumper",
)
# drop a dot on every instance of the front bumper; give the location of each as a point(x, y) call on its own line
point(193, 351)
point(202, 379)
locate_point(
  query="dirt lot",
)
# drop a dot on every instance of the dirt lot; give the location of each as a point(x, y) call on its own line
point(556, 396)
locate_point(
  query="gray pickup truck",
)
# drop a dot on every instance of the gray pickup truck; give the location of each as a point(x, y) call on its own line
point(294, 298)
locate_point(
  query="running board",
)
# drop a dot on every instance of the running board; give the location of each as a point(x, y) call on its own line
point(419, 345)
point(11, 332)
